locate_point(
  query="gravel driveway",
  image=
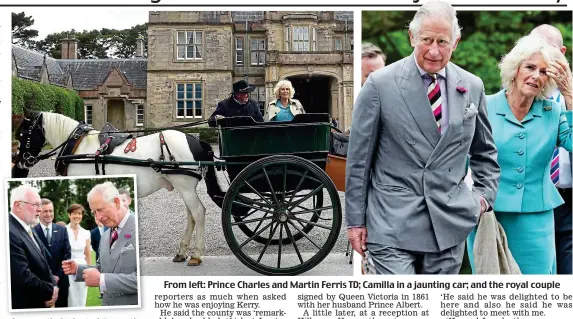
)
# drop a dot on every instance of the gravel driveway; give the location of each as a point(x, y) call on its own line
point(162, 219)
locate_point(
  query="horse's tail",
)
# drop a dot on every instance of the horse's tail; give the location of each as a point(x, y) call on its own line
point(213, 188)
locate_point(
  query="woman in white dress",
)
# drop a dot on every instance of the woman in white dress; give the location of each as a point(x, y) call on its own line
point(81, 254)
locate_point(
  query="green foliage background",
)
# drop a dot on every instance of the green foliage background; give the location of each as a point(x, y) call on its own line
point(65, 192)
point(486, 36)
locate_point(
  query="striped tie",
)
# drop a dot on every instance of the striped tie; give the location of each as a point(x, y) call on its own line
point(435, 97)
point(555, 166)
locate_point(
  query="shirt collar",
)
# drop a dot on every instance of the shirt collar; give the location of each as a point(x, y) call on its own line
point(442, 72)
point(123, 221)
point(44, 227)
point(26, 226)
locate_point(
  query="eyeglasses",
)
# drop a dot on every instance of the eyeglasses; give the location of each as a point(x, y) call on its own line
point(35, 205)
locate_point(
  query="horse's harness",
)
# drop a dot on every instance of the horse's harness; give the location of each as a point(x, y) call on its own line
point(109, 138)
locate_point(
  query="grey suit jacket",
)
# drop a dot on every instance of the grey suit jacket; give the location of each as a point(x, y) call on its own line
point(119, 266)
point(405, 181)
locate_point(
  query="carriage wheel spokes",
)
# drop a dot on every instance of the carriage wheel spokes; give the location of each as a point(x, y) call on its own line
point(311, 223)
point(305, 235)
point(259, 194)
point(298, 229)
point(256, 234)
point(289, 234)
point(270, 185)
point(268, 242)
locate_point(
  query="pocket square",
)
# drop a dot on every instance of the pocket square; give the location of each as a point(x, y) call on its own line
point(472, 110)
point(127, 248)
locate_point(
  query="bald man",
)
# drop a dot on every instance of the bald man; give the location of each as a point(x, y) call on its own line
point(561, 214)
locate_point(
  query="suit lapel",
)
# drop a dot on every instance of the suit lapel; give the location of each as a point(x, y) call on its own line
point(41, 235)
point(122, 240)
point(413, 92)
point(30, 241)
point(456, 106)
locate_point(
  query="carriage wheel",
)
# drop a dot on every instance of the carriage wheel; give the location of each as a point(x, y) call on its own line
point(280, 193)
point(250, 229)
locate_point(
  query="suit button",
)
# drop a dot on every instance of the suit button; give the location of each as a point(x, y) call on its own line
point(521, 152)
point(462, 142)
point(520, 169)
point(519, 186)
point(522, 135)
point(450, 169)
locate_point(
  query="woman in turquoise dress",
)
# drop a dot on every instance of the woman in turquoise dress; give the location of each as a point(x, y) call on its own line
point(283, 107)
point(526, 129)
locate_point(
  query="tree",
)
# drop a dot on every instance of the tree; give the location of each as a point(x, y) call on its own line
point(96, 44)
point(486, 37)
point(21, 32)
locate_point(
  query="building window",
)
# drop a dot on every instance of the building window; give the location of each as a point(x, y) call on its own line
point(338, 44)
point(300, 39)
point(259, 96)
point(139, 114)
point(189, 101)
point(257, 51)
point(303, 39)
point(88, 111)
point(189, 45)
point(287, 39)
point(239, 52)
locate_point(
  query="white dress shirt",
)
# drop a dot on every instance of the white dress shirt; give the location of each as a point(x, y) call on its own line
point(441, 77)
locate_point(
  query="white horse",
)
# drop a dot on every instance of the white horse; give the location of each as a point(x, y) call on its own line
point(56, 129)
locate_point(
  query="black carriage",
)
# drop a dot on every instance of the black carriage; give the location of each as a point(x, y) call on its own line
point(280, 201)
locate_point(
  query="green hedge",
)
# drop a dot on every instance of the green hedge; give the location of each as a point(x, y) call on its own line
point(207, 134)
point(45, 97)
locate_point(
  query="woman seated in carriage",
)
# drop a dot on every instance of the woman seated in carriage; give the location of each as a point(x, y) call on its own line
point(283, 107)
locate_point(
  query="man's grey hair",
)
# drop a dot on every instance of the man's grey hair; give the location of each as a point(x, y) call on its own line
point(107, 190)
point(124, 191)
point(523, 50)
point(369, 50)
point(19, 193)
point(436, 9)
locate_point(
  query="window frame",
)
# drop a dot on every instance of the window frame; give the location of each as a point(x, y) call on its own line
point(91, 111)
point(186, 45)
point(237, 50)
point(294, 42)
point(186, 99)
point(258, 51)
point(260, 90)
point(137, 109)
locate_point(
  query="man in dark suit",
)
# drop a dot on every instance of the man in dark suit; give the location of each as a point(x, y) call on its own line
point(31, 281)
point(96, 237)
point(55, 238)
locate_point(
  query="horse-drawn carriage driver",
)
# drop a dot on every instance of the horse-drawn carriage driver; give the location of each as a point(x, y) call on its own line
point(238, 104)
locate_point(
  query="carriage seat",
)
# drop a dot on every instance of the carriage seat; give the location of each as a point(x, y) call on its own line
point(118, 137)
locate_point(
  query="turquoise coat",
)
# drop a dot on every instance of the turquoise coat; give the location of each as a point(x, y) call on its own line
point(524, 153)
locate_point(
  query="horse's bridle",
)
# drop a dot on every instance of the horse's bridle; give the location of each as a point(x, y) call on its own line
point(27, 159)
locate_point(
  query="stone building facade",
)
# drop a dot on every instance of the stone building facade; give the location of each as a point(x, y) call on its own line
point(194, 57)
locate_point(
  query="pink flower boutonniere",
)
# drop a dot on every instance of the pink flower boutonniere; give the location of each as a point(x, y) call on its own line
point(461, 89)
point(127, 236)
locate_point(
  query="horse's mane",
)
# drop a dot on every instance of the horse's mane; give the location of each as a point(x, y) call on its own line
point(58, 127)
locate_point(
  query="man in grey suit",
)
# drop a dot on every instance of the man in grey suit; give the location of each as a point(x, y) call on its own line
point(414, 124)
point(116, 270)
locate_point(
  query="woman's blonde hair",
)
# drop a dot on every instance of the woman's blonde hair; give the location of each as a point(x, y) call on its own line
point(282, 84)
point(523, 50)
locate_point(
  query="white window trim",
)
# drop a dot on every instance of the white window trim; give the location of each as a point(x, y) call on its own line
point(237, 62)
point(86, 113)
point(137, 106)
point(185, 45)
point(192, 99)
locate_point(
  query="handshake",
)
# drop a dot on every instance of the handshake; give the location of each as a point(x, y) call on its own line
point(91, 276)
